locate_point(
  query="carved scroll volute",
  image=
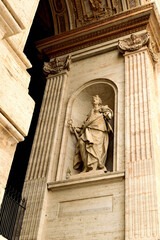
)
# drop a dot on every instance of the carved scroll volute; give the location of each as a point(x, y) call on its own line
point(133, 43)
point(136, 42)
point(152, 51)
point(57, 65)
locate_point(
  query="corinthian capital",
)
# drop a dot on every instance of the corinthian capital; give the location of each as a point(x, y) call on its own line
point(133, 43)
point(57, 65)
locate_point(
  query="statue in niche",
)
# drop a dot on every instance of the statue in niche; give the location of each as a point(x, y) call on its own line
point(93, 138)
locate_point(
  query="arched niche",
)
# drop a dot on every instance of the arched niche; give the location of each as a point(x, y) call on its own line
point(79, 106)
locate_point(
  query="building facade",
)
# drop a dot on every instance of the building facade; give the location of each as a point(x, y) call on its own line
point(101, 47)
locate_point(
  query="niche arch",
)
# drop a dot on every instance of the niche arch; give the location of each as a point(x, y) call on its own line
point(79, 105)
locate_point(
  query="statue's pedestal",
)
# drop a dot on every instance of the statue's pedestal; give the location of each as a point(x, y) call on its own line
point(88, 200)
point(83, 175)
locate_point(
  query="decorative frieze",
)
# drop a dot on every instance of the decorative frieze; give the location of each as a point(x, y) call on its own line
point(89, 11)
point(103, 31)
point(77, 13)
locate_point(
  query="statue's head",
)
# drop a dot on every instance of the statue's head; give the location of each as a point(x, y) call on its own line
point(96, 100)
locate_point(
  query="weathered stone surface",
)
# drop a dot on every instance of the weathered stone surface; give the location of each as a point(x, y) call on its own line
point(85, 207)
point(92, 211)
point(16, 106)
point(53, 152)
point(141, 200)
point(92, 138)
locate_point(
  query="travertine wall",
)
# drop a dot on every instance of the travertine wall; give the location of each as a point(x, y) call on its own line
point(97, 197)
point(88, 210)
point(141, 160)
point(16, 106)
point(9, 137)
point(74, 204)
point(82, 85)
point(93, 204)
point(156, 122)
point(86, 207)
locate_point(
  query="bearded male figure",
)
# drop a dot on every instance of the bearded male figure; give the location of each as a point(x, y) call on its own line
point(93, 138)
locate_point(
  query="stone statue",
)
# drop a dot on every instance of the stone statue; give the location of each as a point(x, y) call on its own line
point(93, 138)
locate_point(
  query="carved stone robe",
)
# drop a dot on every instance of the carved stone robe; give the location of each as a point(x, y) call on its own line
point(93, 142)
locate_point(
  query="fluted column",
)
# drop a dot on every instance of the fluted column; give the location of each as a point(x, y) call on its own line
point(141, 205)
point(44, 143)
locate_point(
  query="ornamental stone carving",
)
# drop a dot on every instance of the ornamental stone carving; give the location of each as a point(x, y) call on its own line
point(93, 138)
point(57, 65)
point(98, 11)
point(133, 43)
point(72, 14)
point(152, 51)
point(96, 5)
point(136, 42)
point(89, 11)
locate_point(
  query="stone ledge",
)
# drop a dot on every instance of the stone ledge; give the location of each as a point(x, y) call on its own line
point(10, 128)
point(21, 57)
point(9, 25)
point(85, 180)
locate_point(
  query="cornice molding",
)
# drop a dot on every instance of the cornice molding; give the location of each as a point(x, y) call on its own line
point(86, 181)
point(117, 26)
point(9, 24)
point(10, 128)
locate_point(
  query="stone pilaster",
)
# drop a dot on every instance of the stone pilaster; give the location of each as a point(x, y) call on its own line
point(44, 143)
point(46, 129)
point(141, 205)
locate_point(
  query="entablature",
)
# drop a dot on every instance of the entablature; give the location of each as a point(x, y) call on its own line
point(114, 27)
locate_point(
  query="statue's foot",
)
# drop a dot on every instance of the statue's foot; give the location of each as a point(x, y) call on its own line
point(101, 166)
point(93, 167)
point(84, 170)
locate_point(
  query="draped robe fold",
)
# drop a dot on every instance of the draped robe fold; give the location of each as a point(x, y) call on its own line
point(93, 142)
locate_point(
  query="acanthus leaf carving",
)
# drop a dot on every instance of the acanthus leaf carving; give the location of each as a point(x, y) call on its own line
point(136, 42)
point(133, 43)
point(57, 65)
point(152, 51)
